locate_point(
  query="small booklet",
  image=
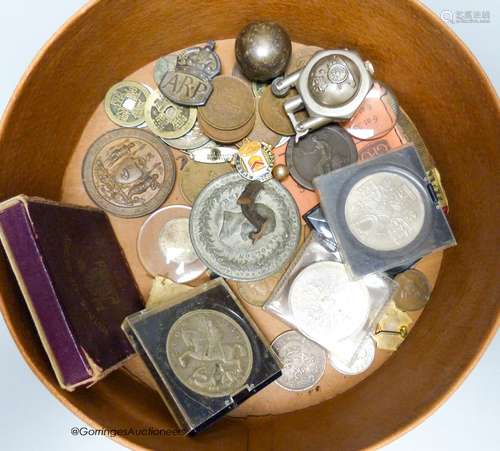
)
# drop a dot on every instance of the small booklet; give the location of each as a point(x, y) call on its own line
point(76, 283)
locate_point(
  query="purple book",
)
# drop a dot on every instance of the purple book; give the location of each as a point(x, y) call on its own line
point(76, 282)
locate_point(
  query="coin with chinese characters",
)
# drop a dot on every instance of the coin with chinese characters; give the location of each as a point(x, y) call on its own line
point(209, 353)
point(193, 139)
point(167, 119)
point(385, 211)
point(304, 361)
point(125, 103)
point(413, 290)
point(195, 176)
point(128, 172)
point(220, 232)
point(163, 65)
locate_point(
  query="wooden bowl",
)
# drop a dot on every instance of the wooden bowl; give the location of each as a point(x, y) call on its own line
point(440, 85)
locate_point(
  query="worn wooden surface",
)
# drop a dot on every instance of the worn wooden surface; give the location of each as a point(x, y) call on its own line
point(438, 83)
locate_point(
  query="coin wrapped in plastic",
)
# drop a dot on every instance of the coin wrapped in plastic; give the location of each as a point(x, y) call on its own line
point(263, 50)
point(317, 297)
point(205, 353)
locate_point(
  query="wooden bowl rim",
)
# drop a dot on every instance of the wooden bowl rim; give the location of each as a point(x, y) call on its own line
point(415, 421)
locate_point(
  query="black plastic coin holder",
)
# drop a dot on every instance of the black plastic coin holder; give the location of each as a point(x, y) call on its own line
point(334, 188)
point(148, 330)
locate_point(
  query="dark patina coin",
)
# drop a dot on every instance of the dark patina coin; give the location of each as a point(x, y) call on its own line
point(318, 153)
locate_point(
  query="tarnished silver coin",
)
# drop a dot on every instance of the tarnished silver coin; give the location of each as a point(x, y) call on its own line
point(318, 153)
point(220, 232)
point(167, 119)
point(202, 59)
point(209, 353)
point(193, 139)
point(164, 65)
point(385, 211)
point(304, 361)
point(325, 304)
point(128, 172)
point(125, 103)
point(186, 88)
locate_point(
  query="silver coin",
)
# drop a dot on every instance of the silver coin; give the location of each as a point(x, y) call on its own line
point(326, 306)
point(164, 65)
point(174, 242)
point(209, 353)
point(318, 153)
point(350, 357)
point(220, 232)
point(193, 139)
point(303, 361)
point(385, 211)
point(128, 172)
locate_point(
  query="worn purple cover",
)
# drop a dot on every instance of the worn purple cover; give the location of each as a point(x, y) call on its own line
point(79, 284)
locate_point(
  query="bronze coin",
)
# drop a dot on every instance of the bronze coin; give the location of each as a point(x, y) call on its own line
point(195, 176)
point(413, 291)
point(262, 133)
point(128, 172)
point(227, 136)
point(273, 114)
point(231, 105)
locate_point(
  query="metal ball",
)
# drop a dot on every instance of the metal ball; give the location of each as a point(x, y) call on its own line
point(263, 50)
point(280, 172)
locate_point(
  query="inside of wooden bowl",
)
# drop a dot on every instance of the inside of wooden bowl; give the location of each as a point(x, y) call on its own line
point(437, 82)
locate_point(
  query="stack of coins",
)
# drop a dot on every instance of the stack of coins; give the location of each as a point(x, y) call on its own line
point(229, 114)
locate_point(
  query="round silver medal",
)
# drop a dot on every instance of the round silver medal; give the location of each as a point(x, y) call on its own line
point(303, 361)
point(193, 139)
point(220, 232)
point(209, 353)
point(385, 211)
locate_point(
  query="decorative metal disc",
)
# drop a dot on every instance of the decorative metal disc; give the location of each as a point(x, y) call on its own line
point(128, 172)
point(209, 353)
point(219, 230)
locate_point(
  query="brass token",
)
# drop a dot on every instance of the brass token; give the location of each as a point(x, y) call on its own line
point(230, 106)
point(128, 172)
point(167, 119)
point(413, 290)
point(195, 176)
point(257, 293)
point(227, 136)
point(273, 114)
point(124, 103)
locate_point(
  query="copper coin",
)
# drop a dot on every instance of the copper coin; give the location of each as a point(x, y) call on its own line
point(262, 133)
point(195, 176)
point(300, 58)
point(376, 116)
point(273, 114)
point(227, 136)
point(304, 198)
point(257, 293)
point(413, 291)
point(128, 172)
point(319, 152)
point(230, 106)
